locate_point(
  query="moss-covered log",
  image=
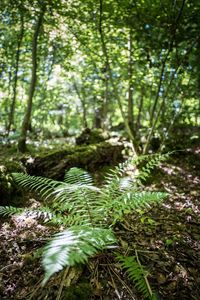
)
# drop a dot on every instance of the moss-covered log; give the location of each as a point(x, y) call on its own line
point(91, 136)
point(90, 157)
point(9, 192)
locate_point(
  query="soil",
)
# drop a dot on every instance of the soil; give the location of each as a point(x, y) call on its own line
point(165, 238)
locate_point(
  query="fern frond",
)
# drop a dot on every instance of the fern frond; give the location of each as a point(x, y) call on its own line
point(143, 199)
point(44, 214)
point(115, 174)
point(152, 161)
point(43, 186)
point(88, 209)
point(66, 191)
point(130, 201)
point(74, 246)
point(10, 210)
point(137, 273)
point(77, 176)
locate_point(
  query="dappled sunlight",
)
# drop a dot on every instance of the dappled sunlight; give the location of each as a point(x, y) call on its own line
point(99, 150)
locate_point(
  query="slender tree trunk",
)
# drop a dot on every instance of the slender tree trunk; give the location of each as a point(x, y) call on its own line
point(27, 117)
point(155, 114)
point(138, 122)
point(103, 110)
point(9, 95)
point(13, 103)
point(124, 116)
point(130, 85)
point(197, 114)
point(81, 95)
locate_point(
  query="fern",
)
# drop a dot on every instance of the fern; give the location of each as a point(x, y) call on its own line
point(79, 176)
point(44, 214)
point(43, 186)
point(74, 246)
point(10, 210)
point(152, 161)
point(138, 274)
point(89, 211)
point(131, 201)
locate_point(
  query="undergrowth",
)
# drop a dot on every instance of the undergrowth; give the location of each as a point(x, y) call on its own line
point(89, 213)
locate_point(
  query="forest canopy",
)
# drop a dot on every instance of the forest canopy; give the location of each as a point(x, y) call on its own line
point(70, 65)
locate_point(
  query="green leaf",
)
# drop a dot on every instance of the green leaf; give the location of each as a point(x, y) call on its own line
point(10, 210)
point(74, 246)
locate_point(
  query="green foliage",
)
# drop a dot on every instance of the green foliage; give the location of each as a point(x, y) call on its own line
point(44, 214)
point(88, 210)
point(162, 70)
point(147, 163)
point(138, 274)
point(41, 185)
point(10, 210)
point(74, 246)
point(78, 176)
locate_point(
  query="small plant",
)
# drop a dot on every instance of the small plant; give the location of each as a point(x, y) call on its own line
point(138, 275)
point(89, 212)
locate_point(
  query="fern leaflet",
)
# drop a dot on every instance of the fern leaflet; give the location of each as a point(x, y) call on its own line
point(138, 274)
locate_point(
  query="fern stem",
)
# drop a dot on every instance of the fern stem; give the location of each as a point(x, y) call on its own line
point(89, 212)
point(145, 276)
point(122, 281)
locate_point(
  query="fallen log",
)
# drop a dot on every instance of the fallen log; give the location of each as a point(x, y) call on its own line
point(88, 157)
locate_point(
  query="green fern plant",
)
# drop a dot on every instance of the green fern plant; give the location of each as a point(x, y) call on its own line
point(148, 162)
point(138, 275)
point(88, 211)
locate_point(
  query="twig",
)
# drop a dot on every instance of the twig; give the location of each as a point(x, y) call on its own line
point(123, 283)
point(36, 288)
point(114, 285)
point(8, 266)
point(62, 283)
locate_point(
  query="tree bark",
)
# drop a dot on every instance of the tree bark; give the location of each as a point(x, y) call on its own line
point(124, 116)
point(13, 103)
point(81, 95)
point(27, 117)
point(103, 110)
point(130, 85)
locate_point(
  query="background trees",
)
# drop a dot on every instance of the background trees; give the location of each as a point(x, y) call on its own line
point(98, 64)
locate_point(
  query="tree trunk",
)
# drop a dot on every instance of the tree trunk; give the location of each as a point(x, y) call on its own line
point(81, 95)
point(124, 116)
point(27, 117)
point(13, 103)
point(130, 85)
point(103, 110)
point(140, 108)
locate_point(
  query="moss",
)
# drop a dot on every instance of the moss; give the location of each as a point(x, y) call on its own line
point(8, 190)
point(91, 136)
point(14, 166)
point(81, 291)
point(89, 157)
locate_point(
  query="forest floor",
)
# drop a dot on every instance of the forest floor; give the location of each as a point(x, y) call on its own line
point(166, 239)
